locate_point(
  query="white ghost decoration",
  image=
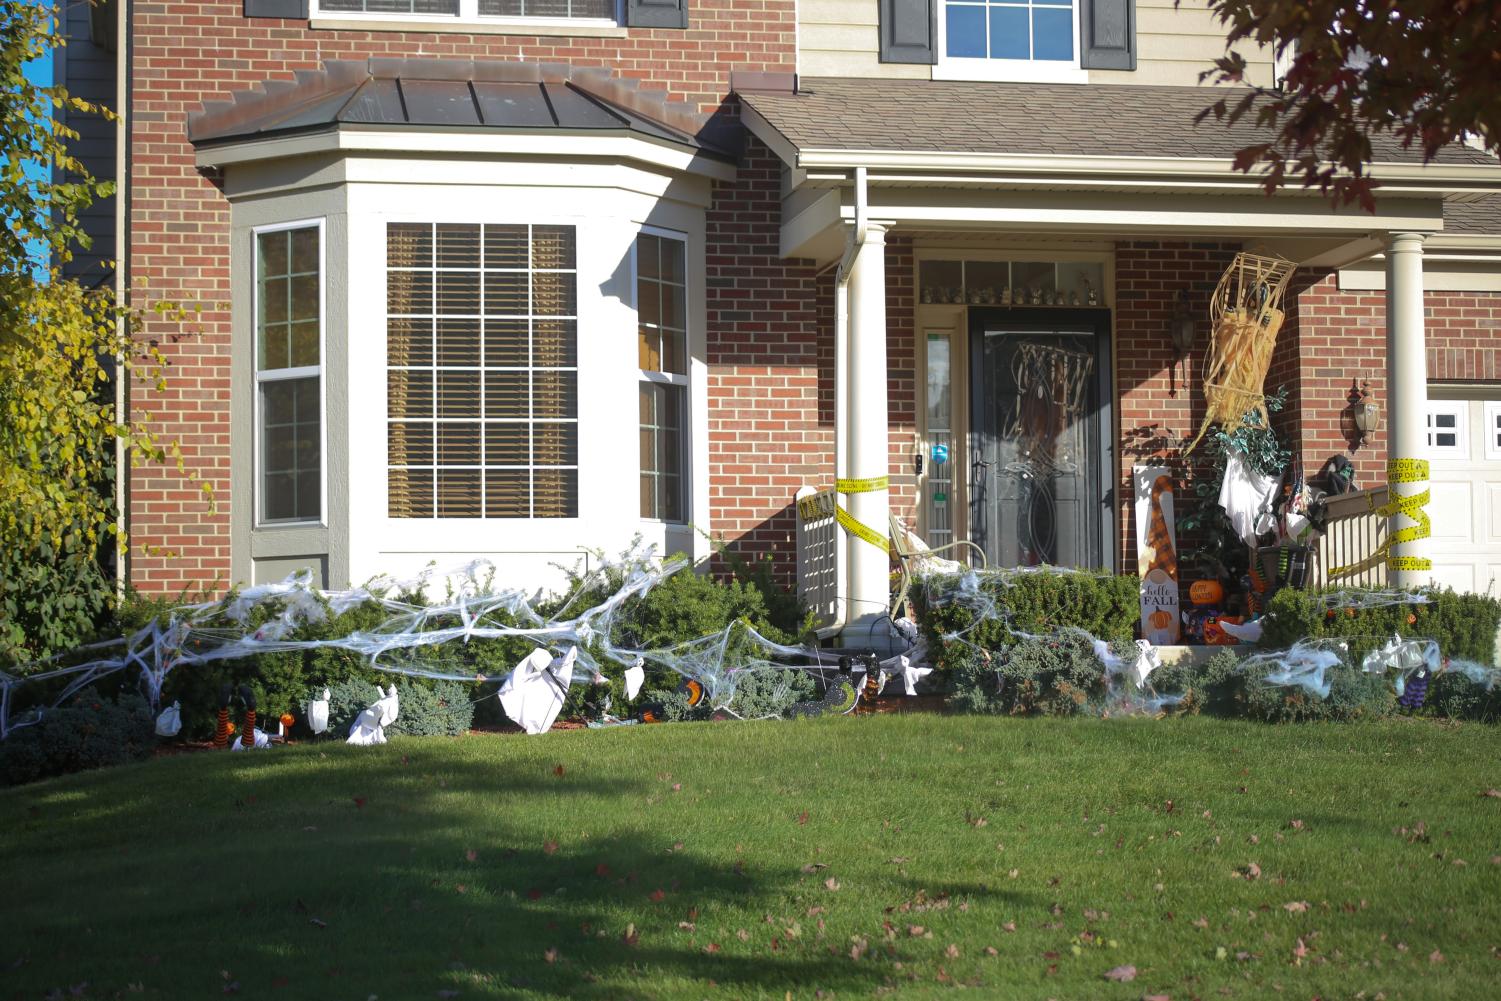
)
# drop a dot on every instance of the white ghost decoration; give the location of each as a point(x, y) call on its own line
point(635, 677)
point(170, 721)
point(317, 713)
point(532, 694)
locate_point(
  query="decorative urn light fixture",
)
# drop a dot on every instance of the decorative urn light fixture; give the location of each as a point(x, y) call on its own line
point(1365, 411)
point(1182, 326)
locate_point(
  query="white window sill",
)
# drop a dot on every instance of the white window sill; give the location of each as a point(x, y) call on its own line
point(1009, 71)
point(563, 27)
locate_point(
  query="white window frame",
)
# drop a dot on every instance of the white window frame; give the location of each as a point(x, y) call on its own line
point(1460, 411)
point(1492, 430)
point(468, 14)
point(1007, 70)
point(685, 478)
point(259, 378)
point(483, 421)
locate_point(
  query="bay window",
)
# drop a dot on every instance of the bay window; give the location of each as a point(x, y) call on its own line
point(289, 373)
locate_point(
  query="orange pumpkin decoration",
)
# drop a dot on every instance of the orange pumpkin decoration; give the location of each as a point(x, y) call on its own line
point(1349, 613)
point(287, 719)
point(1411, 618)
point(1160, 619)
point(1206, 592)
point(231, 727)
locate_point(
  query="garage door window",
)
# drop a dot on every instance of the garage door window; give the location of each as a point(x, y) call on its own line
point(1446, 430)
point(1493, 431)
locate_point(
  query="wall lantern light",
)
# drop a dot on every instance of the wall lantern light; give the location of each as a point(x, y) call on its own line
point(1365, 411)
point(1182, 327)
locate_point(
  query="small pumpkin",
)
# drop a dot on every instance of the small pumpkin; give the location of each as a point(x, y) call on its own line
point(1160, 619)
point(287, 719)
point(1206, 592)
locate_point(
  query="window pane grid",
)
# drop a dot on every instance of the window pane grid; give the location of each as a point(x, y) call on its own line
point(482, 371)
point(662, 451)
point(288, 310)
point(1010, 29)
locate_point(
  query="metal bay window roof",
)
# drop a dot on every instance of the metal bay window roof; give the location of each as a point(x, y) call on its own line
point(452, 94)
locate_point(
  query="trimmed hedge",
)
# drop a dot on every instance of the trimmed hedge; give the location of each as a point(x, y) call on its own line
point(1104, 605)
point(1463, 624)
point(88, 731)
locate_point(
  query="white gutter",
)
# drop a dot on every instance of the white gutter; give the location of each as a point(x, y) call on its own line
point(853, 242)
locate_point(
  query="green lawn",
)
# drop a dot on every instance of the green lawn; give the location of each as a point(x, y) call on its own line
point(856, 857)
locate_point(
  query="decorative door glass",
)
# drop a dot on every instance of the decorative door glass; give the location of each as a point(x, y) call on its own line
point(1036, 485)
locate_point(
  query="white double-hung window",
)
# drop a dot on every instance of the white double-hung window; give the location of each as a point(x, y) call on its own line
point(1023, 40)
point(662, 340)
point(289, 486)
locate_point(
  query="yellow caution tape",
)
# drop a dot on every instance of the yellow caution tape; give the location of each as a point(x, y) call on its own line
point(862, 531)
point(865, 486)
point(1411, 505)
point(821, 505)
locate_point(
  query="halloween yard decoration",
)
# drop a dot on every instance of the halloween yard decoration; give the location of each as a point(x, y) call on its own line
point(1157, 554)
point(1245, 316)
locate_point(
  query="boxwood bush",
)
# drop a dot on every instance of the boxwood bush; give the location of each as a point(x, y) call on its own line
point(1463, 624)
point(89, 730)
point(1104, 605)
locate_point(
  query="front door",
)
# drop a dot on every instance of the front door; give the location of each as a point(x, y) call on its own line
point(1041, 442)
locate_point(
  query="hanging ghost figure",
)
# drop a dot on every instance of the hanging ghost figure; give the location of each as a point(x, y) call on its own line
point(169, 723)
point(317, 713)
point(635, 675)
point(532, 694)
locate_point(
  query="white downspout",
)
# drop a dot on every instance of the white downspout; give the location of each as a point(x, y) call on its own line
point(852, 244)
point(122, 136)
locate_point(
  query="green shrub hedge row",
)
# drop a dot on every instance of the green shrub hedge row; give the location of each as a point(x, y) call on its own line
point(1463, 624)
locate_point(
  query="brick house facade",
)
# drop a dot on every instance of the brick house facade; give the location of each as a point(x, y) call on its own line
point(774, 224)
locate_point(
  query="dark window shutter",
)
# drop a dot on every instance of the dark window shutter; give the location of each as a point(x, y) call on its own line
point(1108, 28)
point(908, 30)
point(656, 13)
point(276, 8)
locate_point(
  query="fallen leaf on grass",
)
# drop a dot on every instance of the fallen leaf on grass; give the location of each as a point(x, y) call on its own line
point(1201, 922)
point(558, 771)
point(461, 888)
point(952, 951)
point(897, 860)
point(602, 871)
point(549, 848)
point(802, 819)
point(535, 893)
point(813, 867)
point(1435, 956)
point(1121, 974)
point(1009, 926)
point(550, 956)
point(1155, 997)
point(1295, 906)
point(743, 935)
point(631, 936)
point(657, 896)
point(685, 926)
point(1491, 794)
point(317, 922)
point(359, 802)
point(991, 950)
point(471, 855)
point(711, 948)
point(831, 883)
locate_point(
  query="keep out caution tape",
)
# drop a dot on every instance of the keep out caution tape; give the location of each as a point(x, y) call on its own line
point(1411, 505)
point(821, 505)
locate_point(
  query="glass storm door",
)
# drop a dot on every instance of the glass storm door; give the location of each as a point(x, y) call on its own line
point(1041, 437)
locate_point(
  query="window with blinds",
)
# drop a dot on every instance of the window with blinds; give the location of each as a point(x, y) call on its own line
point(482, 371)
point(289, 374)
point(662, 341)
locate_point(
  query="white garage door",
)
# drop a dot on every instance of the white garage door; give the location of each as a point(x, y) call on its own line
point(1464, 448)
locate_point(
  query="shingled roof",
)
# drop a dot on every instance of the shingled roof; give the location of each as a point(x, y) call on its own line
point(1478, 218)
point(1022, 118)
point(474, 95)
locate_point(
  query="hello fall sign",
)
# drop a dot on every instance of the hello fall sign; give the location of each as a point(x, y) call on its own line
point(1157, 555)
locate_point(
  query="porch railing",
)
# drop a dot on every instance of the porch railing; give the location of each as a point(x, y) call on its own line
point(1353, 533)
point(818, 555)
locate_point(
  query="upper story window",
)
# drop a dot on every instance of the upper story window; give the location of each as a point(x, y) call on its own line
point(589, 11)
point(1026, 40)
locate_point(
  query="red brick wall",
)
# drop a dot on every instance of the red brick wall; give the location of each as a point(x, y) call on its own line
point(1159, 398)
point(189, 52)
point(767, 352)
point(1341, 341)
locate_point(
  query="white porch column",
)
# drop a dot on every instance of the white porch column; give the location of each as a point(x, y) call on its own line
point(1407, 399)
point(869, 563)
